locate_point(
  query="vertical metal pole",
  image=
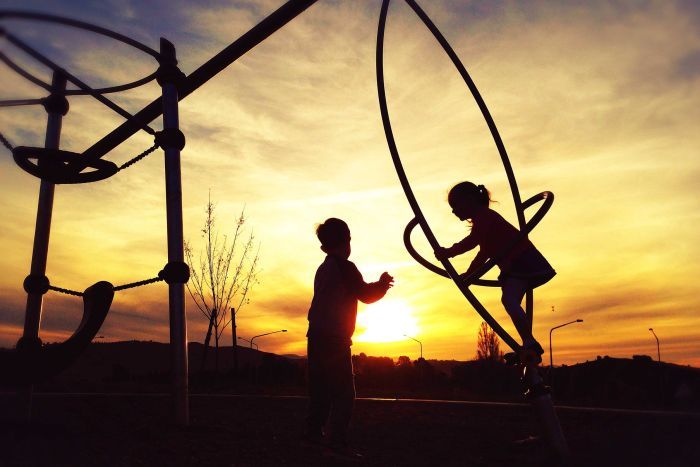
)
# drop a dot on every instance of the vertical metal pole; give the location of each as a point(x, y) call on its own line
point(658, 356)
point(551, 362)
point(541, 401)
point(234, 339)
point(551, 351)
point(42, 231)
point(173, 194)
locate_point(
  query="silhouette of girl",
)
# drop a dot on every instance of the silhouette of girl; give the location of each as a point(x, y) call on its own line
point(522, 266)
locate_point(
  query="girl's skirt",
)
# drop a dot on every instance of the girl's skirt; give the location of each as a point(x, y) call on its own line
point(531, 267)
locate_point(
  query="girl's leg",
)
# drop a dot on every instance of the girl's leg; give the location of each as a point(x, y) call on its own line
point(513, 292)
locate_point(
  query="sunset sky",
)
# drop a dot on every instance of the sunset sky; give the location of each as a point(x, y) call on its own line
point(597, 101)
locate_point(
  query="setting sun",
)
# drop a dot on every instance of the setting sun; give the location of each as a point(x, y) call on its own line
point(388, 320)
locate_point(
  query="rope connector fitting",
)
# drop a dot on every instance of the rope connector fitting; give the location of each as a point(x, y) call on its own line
point(175, 272)
point(55, 104)
point(170, 138)
point(36, 284)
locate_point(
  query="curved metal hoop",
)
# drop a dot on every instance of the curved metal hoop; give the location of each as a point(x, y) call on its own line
point(51, 165)
point(87, 27)
point(475, 277)
point(80, 25)
point(419, 217)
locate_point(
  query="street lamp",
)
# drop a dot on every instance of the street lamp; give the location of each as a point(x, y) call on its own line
point(266, 334)
point(551, 350)
point(419, 343)
point(658, 347)
point(661, 378)
point(251, 344)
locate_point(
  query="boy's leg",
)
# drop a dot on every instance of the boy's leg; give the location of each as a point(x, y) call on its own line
point(319, 391)
point(342, 383)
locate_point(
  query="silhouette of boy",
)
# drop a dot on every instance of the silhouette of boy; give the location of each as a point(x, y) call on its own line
point(338, 286)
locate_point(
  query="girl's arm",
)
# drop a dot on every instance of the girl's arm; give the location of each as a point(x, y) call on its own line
point(478, 260)
point(479, 231)
point(458, 248)
point(468, 243)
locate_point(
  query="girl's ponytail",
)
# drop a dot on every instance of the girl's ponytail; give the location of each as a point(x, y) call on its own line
point(484, 195)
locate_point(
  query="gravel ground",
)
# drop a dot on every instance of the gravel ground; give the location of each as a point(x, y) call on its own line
point(114, 430)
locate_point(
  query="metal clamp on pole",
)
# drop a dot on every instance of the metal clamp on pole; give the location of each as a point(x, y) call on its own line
point(56, 104)
point(177, 272)
point(171, 138)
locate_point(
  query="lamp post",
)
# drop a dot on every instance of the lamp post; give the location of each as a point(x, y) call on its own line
point(661, 378)
point(551, 353)
point(658, 347)
point(419, 343)
point(551, 350)
point(266, 334)
point(248, 341)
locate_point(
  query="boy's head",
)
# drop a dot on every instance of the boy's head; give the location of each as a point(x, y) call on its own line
point(334, 235)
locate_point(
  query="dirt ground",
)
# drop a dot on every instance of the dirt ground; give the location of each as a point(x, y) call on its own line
point(116, 430)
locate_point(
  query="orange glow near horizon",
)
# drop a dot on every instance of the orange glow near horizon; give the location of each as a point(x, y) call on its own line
point(388, 320)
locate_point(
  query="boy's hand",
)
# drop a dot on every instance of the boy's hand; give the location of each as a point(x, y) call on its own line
point(442, 253)
point(386, 280)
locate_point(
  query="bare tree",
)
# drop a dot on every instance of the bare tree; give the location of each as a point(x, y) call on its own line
point(488, 346)
point(223, 278)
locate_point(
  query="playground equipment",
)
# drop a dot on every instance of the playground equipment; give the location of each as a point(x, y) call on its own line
point(536, 390)
point(31, 362)
point(55, 166)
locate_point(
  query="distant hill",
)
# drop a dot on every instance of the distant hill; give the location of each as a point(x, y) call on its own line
point(136, 366)
point(144, 366)
point(639, 382)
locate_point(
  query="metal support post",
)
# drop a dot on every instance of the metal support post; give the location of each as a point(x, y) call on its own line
point(168, 77)
point(40, 251)
point(541, 401)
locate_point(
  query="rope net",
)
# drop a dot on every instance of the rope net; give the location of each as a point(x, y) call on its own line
point(130, 285)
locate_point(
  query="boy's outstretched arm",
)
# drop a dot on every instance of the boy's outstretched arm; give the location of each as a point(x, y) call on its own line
point(370, 293)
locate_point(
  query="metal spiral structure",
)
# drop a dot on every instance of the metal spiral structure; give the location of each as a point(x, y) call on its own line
point(536, 390)
point(449, 271)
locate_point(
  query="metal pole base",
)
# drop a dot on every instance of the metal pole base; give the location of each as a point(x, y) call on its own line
point(538, 395)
